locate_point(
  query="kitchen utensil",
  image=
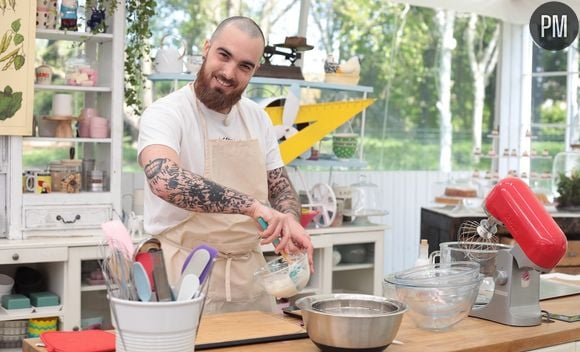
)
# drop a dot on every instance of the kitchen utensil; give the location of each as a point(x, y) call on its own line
point(188, 287)
point(118, 237)
point(195, 263)
point(160, 281)
point(276, 242)
point(141, 281)
point(147, 245)
point(351, 322)
point(198, 262)
point(540, 244)
point(438, 296)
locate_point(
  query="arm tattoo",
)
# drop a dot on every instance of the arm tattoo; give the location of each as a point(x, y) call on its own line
point(193, 192)
point(281, 193)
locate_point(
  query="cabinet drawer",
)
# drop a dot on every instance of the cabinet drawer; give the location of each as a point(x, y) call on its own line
point(572, 256)
point(66, 217)
point(33, 255)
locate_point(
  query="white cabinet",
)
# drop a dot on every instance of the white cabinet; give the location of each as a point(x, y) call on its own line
point(51, 261)
point(77, 214)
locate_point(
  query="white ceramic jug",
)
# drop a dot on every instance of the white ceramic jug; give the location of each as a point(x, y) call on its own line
point(169, 59)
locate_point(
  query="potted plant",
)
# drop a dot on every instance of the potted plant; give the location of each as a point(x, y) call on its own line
point(569, 191)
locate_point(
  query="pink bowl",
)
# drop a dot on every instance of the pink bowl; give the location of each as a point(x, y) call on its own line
point(307, 217)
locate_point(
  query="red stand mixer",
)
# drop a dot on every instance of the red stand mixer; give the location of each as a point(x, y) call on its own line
point(540, 244)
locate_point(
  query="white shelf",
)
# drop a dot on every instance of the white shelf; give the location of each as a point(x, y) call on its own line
point(65, 88)
point(326, 163)
point(347, 267)
point(268, 80)
point(5, 317)
point(93, 288)
point(56, 34)
point(69, 140)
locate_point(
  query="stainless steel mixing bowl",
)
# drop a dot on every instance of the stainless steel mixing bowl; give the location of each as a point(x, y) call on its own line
point(351, 322)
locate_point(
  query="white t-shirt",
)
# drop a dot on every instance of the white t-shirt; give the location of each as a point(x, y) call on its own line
point(172, 121)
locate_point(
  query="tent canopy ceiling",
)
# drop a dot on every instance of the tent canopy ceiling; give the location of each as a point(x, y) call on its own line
point(511, 11)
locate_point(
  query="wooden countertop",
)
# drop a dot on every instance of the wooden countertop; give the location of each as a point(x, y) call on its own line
point(471, 334)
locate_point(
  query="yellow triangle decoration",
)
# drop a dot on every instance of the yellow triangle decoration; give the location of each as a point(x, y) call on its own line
point(323, 118)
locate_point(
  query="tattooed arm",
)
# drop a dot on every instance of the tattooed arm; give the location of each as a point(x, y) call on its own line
point(281, 193)
point(187, 190)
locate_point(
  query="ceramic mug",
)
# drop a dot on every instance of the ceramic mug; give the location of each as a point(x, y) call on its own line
point(43, 74)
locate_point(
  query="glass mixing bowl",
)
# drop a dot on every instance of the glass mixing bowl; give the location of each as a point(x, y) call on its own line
point(484, 255)
point(433, 304)
point(455, 272)
point(282, 278)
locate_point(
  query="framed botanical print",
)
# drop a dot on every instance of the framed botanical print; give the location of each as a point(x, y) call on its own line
point(17, 50)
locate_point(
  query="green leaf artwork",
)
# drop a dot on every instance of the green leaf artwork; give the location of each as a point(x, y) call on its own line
point(12, 56)
point(10, 103)
point(15, 25)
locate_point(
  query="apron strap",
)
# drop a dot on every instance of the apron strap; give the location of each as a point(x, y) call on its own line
point(229, 257)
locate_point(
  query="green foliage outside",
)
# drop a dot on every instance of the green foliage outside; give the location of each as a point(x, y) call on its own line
point(402, 126)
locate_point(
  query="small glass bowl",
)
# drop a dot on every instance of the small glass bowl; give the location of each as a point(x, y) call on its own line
point(284, 279)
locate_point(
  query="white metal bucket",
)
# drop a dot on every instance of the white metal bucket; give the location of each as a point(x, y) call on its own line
point(156, 326)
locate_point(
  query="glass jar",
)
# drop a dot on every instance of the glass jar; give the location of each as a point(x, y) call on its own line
point(80, 71)
point(566, 176)
point(66, 175)
point(97, 181)
point(365, 198)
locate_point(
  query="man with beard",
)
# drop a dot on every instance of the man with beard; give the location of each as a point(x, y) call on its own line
point(212, 163)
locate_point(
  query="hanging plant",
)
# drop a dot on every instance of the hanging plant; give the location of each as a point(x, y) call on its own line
point(139, 13)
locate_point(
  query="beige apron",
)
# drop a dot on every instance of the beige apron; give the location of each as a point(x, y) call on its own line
point(232, 287)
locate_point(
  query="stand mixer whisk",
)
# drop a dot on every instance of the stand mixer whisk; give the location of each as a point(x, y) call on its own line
point(539, 246)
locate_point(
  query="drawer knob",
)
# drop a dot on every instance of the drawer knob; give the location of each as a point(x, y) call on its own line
point(60, 218)
point(15, 256)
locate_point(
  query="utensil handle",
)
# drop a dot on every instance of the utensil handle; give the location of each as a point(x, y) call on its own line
point(275, 242)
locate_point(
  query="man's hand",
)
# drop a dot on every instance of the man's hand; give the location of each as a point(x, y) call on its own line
point(293, 237)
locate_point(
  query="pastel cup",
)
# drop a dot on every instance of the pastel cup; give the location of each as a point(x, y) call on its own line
point(99, 127)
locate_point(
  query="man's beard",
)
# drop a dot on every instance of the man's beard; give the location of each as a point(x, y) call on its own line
point(214, 98)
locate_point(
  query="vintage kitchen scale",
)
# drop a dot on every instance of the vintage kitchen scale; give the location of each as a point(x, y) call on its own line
point(291, 50)
point(539, 246)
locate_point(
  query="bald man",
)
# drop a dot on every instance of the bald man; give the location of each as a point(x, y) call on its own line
point(213, 166)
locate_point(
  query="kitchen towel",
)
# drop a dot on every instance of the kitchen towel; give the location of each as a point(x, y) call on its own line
point(79, 341)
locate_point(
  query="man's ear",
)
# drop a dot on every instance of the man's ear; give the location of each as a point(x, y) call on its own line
point(206, 46)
